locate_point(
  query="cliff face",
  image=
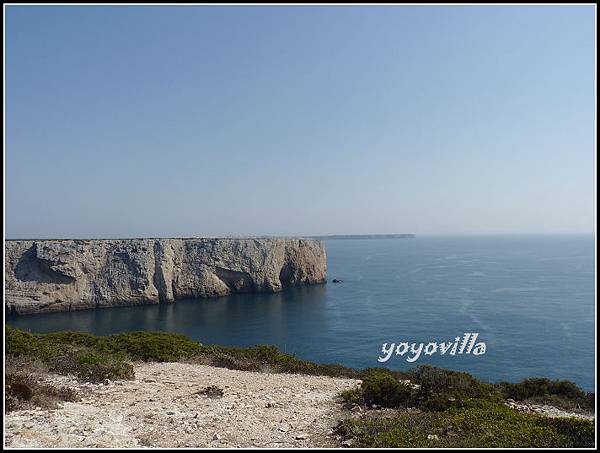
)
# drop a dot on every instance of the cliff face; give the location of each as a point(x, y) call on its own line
point(62, 275)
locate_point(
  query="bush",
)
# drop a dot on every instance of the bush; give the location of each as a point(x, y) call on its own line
point(443, 389)
point(434, 380)
point(152, 346)
point(92, 366)
point(563, 394)
point(427, 387)
point(383, 389)
point(24, 387)
point(490, 425)
point(145, 346)
point(96, 358)
point(268, 358)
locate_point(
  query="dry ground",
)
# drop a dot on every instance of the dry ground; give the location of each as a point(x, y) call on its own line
point(162, 408)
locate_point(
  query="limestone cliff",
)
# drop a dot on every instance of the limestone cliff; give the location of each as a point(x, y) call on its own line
point(62, 275)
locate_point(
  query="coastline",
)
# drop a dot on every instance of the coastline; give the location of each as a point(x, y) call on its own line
point(66, 275)
point(163, 390)
point(164, 407)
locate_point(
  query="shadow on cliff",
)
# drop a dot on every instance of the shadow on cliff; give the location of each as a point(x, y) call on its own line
point(31, 268)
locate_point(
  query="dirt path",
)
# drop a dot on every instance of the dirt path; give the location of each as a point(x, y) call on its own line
point(161, 408)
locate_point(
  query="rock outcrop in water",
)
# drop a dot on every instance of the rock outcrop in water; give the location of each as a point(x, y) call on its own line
point(63, 275)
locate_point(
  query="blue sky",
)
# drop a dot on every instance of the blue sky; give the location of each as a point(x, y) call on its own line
point(188, 121)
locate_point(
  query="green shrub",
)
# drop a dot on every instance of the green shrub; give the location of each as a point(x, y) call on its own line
point(434, 380)
point(443, 389)
point(430, 388)
point(353, 396)
point(96, 358)
point(92, 366)
point(152, 346)
point(560, 393)
point(490, 425)
point(383, 389)
point(269, 358)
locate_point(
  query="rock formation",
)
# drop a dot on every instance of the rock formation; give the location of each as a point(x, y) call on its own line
point(63, 275)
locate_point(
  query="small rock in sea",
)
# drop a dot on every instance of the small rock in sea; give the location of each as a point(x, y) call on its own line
point(336, 280)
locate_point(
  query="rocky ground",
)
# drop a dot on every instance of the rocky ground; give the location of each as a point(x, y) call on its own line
point(164, 407)
point(545, 409)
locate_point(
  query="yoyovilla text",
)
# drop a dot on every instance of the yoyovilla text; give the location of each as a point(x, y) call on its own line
point(466, 345)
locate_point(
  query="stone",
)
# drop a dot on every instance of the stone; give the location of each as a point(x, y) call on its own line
point(64, 275)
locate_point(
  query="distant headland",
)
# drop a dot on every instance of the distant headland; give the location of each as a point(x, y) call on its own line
point(365, 236)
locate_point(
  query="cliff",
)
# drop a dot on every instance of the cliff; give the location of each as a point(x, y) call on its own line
point(63, 275)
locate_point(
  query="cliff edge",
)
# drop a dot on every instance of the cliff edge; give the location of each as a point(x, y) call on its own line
point(62, 275)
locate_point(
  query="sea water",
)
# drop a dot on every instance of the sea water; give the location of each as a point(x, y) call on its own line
point(530, 299)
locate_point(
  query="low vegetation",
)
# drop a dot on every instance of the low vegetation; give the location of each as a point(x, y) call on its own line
point(486, 425)
point(431, 407)
point(25, 388)
point(443, 408)
point(563, 394)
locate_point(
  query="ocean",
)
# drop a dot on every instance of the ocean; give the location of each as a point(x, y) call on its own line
point(531, 299)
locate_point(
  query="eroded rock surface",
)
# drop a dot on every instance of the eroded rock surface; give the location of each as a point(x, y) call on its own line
point(62, 275)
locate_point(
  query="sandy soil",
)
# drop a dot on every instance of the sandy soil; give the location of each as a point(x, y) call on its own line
point(161, 408)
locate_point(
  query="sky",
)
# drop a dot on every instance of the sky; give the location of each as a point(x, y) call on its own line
point(156, 121)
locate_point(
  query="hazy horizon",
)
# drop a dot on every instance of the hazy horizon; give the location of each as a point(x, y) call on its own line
point(160, 121)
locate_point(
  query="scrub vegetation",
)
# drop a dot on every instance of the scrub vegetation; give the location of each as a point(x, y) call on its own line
point(425, 407)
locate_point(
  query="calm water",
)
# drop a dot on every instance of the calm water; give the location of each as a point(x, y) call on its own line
point(530, 298)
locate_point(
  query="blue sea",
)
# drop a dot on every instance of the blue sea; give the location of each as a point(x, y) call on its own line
point(530, 298)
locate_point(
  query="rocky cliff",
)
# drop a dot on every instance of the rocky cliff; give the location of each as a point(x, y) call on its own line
point(63, 275)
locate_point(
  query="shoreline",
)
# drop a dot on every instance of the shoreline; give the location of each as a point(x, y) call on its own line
point(164, 407)
point(66, 275)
